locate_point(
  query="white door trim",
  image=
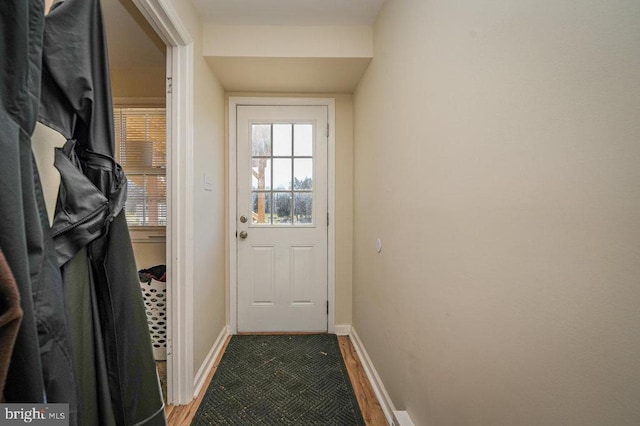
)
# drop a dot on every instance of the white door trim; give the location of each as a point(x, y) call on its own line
point(166, 22)
point(234, 102)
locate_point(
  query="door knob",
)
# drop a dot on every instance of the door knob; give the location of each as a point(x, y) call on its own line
point(243, 234)
point(243, 219)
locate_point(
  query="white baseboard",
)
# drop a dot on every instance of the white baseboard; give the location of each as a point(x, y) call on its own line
point(343, 329)
point(376, 383)
point(401, 418)
point(210, 359)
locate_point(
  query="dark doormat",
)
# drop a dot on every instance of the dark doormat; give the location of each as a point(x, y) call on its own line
point(280, 380)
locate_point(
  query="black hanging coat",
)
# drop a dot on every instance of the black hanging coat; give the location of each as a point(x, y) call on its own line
point(116, 370)
point(41, 367)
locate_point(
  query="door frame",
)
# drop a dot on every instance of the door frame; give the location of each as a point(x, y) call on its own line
point(234, 103)
point(167, 23)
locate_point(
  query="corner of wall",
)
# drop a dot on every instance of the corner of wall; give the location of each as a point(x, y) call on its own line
point(202, 374)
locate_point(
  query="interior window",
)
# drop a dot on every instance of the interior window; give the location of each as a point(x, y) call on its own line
point(141, 151)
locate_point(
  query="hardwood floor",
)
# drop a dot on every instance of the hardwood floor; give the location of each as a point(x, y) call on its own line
point(182, 415)
point(369, 406)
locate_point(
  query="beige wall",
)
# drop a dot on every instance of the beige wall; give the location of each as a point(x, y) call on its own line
point(137, 82)
point(149, 254)
point(344, 197)
point(497, 156)
point(209, 213)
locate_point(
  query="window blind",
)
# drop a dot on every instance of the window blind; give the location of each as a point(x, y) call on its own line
point(140, 135)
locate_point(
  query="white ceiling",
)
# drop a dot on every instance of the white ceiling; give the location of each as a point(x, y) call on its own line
point(289, 12)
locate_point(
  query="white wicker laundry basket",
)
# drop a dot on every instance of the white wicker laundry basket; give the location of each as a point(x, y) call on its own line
point(155, 302)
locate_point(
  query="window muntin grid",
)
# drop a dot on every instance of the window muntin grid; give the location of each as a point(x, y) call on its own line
point(282, 174)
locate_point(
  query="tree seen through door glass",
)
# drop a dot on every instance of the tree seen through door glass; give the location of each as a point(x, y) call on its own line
point(303, 207)
point(282, 173)
point(261, 174)
point(261, 202)
point(282, 207)
point(303, 174)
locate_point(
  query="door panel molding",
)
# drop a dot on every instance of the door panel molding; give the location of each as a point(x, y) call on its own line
point(234, 103)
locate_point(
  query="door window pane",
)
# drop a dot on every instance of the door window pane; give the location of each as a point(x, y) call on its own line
point(281, 173)
point(260, 140)
point(303, 173)
point(282, 207)
point(303, 207)
point(303, 140)
point(261, 174)
point(282, 140)
point(261, 212)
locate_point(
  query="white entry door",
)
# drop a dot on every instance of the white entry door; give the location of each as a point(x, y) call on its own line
point(282, 218)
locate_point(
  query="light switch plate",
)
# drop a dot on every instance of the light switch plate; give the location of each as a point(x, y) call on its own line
point(208, 182)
